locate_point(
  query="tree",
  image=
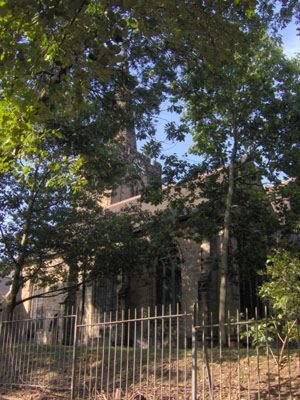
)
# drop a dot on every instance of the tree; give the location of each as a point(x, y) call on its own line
point(281, 289)
point(55, 235)
point(32, 195)
point(57, 58)
point(231, 113)
point(73, 75)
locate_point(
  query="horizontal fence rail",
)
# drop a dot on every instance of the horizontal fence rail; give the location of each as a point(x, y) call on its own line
point(154, 353)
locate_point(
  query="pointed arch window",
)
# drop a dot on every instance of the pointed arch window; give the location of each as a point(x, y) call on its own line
point(168, 279)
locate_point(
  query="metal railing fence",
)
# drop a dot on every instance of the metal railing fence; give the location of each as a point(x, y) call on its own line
point(136, 354)
point(36, 352)
point(247, 358)
point(154, 353)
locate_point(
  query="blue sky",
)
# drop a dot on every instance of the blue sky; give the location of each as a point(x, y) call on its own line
point(291, 45)
point(291, 42)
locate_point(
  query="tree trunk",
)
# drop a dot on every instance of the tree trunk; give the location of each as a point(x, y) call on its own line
point(16, 284)
point(70, 304)
point(17, 279)
point(83, 294)
point(223, 263)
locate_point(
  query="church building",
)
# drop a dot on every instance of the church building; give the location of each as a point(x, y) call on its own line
point(188, 273)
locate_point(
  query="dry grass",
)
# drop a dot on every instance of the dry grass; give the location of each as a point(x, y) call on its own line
point(237, 376)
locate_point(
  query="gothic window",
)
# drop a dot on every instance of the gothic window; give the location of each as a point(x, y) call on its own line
point(105, 294)
point(168, 279)
point(38, 313)
point(203, 282)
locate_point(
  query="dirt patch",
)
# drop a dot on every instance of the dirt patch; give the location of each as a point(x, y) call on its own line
point(247, 377)
point(30, 394)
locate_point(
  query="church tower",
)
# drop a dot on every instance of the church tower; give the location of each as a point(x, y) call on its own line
point(141, 170)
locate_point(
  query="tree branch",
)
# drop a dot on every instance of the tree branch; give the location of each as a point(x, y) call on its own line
point(7, 247)
point(53, 293)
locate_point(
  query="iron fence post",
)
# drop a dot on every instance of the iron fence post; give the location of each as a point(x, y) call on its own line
point(194, 353)
point(72, 396)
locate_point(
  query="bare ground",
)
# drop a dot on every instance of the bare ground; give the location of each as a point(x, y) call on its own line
point(245, 380)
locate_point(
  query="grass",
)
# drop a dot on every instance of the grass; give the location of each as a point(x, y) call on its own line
point(102, 371)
